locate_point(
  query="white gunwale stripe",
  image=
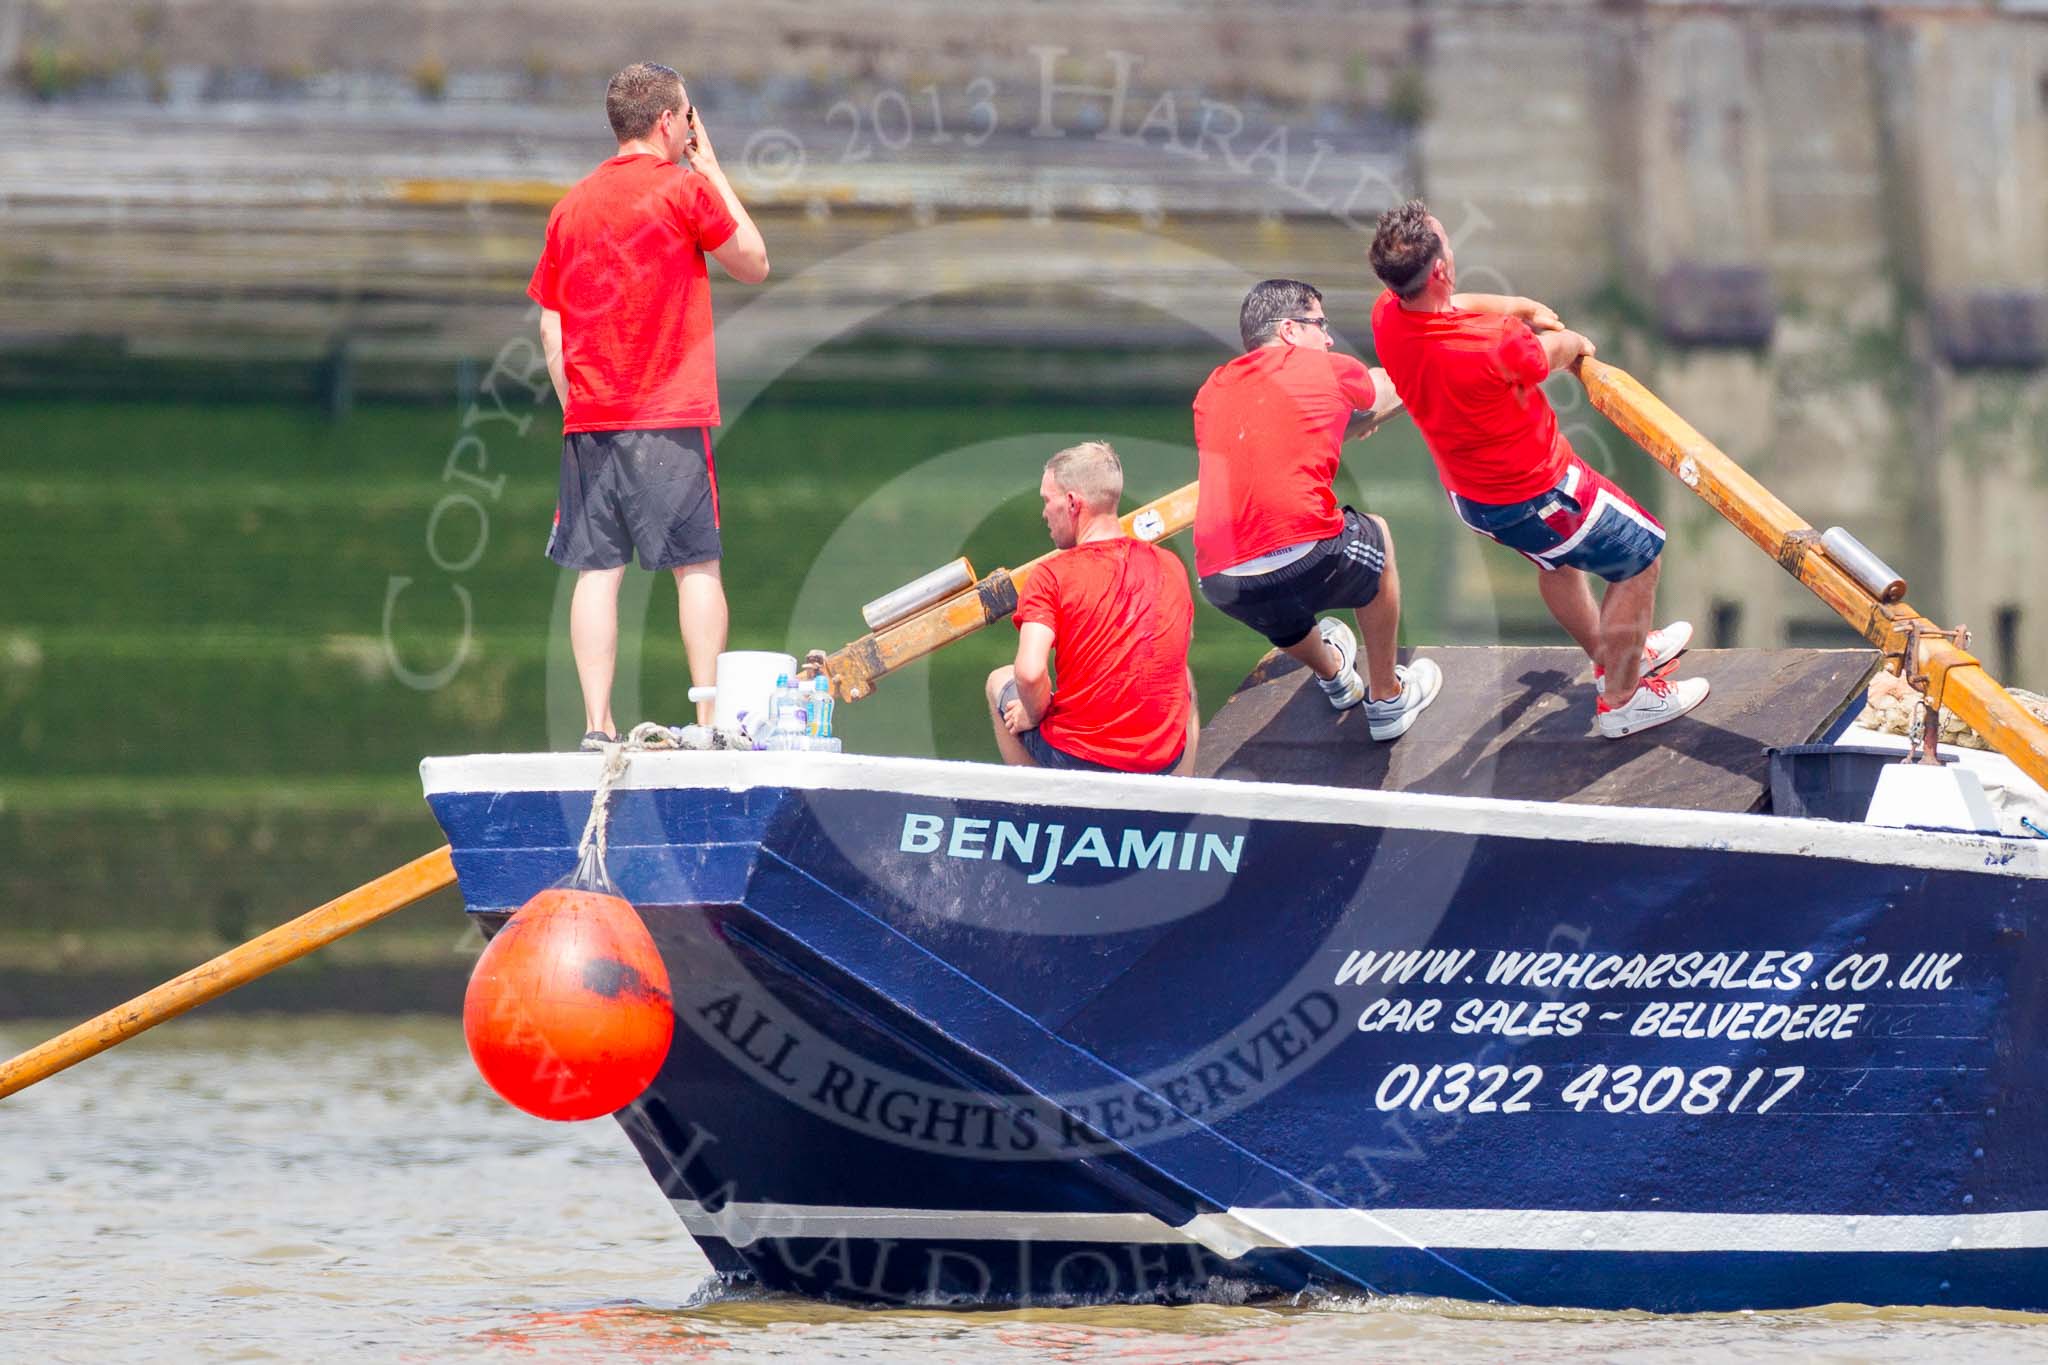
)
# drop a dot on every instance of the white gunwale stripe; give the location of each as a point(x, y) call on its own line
point(744, 1224)
point(1221, 798)
point(1241, 1229)
point(1646, 1231)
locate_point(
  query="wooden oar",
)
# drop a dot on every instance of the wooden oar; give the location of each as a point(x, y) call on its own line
point(367, 904)
point(854, 669)
point(1949, 675)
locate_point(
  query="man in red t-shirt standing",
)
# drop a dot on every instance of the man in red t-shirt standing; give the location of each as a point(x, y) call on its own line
point(1471, 372)
point(1272, 547)
point(626, 326)
point(1119, 613)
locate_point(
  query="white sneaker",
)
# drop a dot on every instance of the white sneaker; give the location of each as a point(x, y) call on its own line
point(1656, 701)
point(1661, 649)
point(1346, 689)
point(1420, 682)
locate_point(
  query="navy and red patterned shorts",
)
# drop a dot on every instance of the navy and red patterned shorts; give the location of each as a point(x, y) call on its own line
point(1586, 522)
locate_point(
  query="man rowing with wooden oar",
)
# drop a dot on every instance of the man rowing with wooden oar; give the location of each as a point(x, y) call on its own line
point(1119, 613)
point(1470, 369)
point(1272, 547)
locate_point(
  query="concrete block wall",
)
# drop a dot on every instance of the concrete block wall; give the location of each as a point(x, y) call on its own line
point(1518, 168)
point(1700, 140)
point(1828, 246)
point(1965, 105)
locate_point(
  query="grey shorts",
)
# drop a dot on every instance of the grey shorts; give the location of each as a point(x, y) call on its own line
point(654, 493)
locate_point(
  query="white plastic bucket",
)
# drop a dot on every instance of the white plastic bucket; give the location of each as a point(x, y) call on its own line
point(745, 686)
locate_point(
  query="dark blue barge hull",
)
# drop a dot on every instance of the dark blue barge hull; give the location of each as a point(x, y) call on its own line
point(955, 1032)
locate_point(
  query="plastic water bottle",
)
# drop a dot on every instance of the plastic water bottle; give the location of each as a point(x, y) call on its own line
point(785, 717)
point(821, 708)
point(793, 718)
point(792, 712)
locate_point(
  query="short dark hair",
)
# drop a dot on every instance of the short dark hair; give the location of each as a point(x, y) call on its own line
point(1404, 248)
point(1270, 303)
point(638, 96)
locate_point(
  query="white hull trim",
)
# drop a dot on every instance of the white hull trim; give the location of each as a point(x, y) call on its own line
point(953, 781)
point(1233, 1233)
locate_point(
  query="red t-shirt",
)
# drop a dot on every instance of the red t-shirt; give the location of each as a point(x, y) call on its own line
point(1268, 429)
point(1473, 382)
point(1121, 618)
point(624, 266)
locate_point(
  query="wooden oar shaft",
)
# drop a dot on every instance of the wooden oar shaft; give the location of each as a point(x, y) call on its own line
point(1954, 677)
point(855, 668)
point(316, 928)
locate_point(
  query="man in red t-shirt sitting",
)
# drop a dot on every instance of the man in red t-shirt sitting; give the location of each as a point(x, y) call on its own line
point(1120, 616)
point(1471, 373)
point(626, 326)
point(1272, 548)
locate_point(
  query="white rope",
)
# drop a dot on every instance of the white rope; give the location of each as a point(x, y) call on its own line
point(617, 757)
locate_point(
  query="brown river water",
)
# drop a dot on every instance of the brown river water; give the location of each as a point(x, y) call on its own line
point(344, 1188)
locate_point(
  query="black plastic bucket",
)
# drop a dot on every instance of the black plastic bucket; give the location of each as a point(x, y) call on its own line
point(1826, 781)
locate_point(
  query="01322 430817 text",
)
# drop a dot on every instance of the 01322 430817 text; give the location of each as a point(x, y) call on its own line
point(1693, 996)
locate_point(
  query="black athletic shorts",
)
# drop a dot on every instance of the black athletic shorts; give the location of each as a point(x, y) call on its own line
point(650, 492)
point(1343, 571)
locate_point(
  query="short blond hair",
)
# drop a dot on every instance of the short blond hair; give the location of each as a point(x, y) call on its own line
point(1092, 470)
